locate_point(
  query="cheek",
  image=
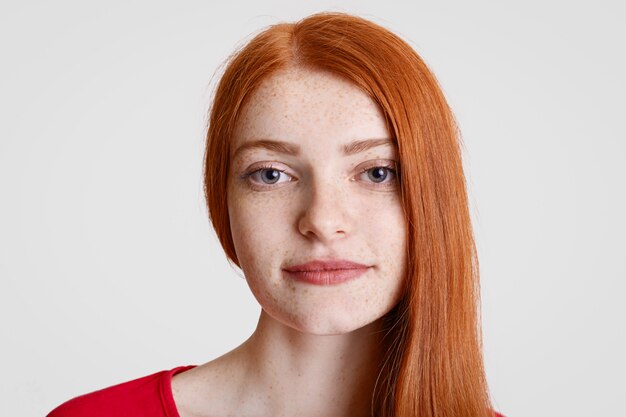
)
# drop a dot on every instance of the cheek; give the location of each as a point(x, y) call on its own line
point(385, 226)
point(386, 236)
point(262, 242)
point(259, 231)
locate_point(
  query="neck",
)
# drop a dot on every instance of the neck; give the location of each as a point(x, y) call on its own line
point(297, 373)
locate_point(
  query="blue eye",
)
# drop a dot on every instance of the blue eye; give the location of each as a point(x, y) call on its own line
point(272, 177)
point(380, 174)
point(268, 175)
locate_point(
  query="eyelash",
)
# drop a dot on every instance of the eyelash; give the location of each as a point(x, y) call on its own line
point(390, 167)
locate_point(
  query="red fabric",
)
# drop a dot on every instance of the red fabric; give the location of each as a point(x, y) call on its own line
point(149, 396)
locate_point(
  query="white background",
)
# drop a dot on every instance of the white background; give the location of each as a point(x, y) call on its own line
point(109, 269)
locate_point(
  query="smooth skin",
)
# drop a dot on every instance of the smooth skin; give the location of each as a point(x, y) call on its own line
point(316, 349)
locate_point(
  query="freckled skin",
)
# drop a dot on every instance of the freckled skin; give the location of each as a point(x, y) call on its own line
point(321, 205)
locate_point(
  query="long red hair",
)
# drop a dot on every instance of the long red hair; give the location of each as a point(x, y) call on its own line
point(433, 364)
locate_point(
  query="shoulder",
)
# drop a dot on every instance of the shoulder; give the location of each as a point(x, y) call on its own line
point(145, 396)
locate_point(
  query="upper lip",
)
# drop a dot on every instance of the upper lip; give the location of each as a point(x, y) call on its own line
point(328, 265)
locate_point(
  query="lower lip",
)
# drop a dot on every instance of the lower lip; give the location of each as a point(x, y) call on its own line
point(330, 277)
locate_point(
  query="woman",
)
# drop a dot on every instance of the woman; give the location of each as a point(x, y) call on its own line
point(334, 180)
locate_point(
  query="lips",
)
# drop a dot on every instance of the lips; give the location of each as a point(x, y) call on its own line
point(319, 272)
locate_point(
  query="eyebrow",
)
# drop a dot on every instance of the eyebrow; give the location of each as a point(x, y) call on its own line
point(288, 148)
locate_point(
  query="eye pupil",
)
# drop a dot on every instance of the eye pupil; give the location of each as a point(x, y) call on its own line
point(271, 175)
point(378, 174)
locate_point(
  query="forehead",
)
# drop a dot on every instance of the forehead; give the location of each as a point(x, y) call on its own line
point(309, 107)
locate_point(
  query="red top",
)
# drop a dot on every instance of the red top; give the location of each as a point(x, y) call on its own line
point(149, 396)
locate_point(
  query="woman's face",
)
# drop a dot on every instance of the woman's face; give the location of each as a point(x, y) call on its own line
point(308, 199)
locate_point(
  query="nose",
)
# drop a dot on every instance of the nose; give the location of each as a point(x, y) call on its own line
point(326, 214)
